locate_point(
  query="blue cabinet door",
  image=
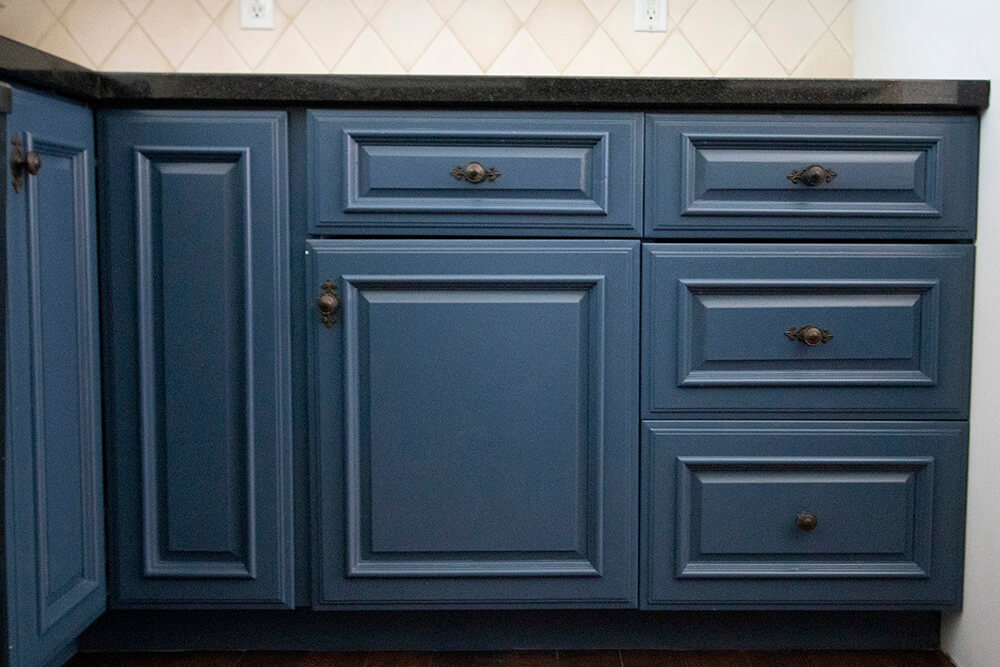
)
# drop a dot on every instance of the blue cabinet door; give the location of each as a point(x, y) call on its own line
point(757, 514)
point(195, 267)
point(54, 489)
point(474, 423)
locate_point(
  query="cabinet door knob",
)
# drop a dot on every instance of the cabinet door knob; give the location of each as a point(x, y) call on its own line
point(814, 174)
point(810, 334)
point(328, 304)
point(21, 163)
point(474, 172)
point(806, 521)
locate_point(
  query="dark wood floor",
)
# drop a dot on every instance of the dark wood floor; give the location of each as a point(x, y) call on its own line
point(525, 659)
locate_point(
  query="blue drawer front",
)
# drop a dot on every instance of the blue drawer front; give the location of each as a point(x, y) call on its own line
point(543, 175)
point(474, 425)
point(722, 330)
point(732, 176)
point(723, 503)
point(198, 358)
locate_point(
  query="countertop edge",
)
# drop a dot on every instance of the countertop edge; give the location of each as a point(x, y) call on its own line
point(23, 64)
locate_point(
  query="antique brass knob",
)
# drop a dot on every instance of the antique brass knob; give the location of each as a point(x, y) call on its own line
point(328, 304)
point(814, 174)
point(806, 521)
point(810, 334)
point(474, 172)
point(21, 163)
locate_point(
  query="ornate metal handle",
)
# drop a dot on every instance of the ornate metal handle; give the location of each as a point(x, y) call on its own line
point(814, 174)
point(806, 521)
point(474, 172)
point(810, 334)
point(328, 304)
point(21, 163)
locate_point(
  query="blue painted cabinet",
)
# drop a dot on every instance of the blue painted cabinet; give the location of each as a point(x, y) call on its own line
point(748, 514)
point(54, 488)
point(197, 358)
point(474, 424)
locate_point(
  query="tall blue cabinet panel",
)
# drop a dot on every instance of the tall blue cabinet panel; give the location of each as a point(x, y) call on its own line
point(197, 357)
point(748, 514)
point(474, 423)
point(54, 487)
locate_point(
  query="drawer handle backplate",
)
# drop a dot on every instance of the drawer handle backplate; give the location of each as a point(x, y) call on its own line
point(328, 304)
point(474, 172)
point(810, 334)
point(814, 174)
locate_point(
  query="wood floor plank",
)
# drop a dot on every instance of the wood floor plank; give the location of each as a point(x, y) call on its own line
point(528, 659)
point(590, 659)
point(683, 659)
point(179, 659)
point(399, 659)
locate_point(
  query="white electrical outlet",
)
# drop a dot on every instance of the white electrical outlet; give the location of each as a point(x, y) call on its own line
point(651, 15)
point(257, 14)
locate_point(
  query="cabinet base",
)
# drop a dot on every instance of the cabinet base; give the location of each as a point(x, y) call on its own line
point(307, 630)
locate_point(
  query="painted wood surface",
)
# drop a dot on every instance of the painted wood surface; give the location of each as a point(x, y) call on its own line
point(721, 505)
point(716, 317)
point(54, 485)
point(474, 425)
point(890, 177)
point(553, 174)
point(195, 238)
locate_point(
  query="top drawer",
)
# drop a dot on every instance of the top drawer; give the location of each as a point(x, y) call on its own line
point(512, 174)
point(811, 177)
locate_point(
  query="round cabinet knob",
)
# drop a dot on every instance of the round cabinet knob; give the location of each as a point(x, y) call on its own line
point(812, 336)
point(806, 521)
point(475, 172)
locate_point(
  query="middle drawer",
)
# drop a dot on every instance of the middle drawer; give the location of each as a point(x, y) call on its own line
point(797, 331)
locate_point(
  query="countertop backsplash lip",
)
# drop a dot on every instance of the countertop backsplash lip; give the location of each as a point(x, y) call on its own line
point(24, 64)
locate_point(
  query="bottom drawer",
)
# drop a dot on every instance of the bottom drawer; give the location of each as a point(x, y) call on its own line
point(789, 514)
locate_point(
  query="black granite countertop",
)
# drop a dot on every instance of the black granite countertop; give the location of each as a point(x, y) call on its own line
point(23, 64)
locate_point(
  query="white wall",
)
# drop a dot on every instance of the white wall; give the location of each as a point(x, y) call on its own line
point(960, 39)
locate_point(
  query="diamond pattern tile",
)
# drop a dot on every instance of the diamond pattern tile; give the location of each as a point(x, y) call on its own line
point(97, 26)
point(175, 26)
point(807, 38)
point(407, 27)
point(561, 28)
point(714, 28)
point(25, 20)
point(790, 28)
point(330, 27)
point(484, 28)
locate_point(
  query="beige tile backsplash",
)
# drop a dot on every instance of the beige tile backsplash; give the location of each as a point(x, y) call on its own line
point(766, 38)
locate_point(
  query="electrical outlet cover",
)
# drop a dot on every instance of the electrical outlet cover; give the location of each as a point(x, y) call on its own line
point(651, 15)
point(257, 14)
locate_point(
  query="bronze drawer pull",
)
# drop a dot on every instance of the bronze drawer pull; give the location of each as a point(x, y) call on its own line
point(21, 163)
point(474, 172)
point(328, 304)
point(806, 521)
point(814, 174)
point(810, 334)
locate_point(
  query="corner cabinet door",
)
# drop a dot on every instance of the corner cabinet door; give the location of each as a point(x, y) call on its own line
point(195, 267)
point(474, 423)
point(54, 504)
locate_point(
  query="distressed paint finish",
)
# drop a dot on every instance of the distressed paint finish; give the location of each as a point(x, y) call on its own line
point(55, 512)
point(720, 502)
point(715, 318)
point(474, 436)
point(560, 174)
point(727, 176)
point(197, 255)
